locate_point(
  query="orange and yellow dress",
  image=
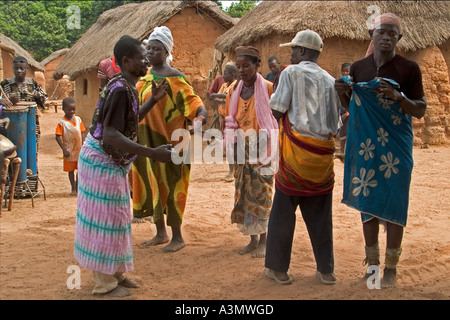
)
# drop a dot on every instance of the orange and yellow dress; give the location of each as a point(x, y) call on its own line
point(161, 188)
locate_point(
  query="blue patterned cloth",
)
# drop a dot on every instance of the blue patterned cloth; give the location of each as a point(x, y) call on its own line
point(378, 155)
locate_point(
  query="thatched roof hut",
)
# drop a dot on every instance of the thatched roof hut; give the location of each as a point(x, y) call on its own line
point(195, 26)
point(9, 49)
point(426, 23)
point(55, 55)
point(134, 19)
point(343, 26)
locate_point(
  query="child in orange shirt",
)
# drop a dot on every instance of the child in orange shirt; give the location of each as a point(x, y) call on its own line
point(69, 137)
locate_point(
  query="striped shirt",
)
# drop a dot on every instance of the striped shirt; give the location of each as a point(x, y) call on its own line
point(306, 93)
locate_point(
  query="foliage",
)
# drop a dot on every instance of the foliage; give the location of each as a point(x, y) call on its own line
point(239, 9)
point(42, 27)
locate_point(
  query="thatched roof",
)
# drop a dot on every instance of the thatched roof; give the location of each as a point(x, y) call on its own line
point(134, 19)
point(425, 23)
point(54, 56)
point(10, 45)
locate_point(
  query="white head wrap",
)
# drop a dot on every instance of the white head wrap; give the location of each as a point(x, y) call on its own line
point(163, 35)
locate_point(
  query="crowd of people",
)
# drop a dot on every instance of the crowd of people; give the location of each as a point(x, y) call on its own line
point(143, 100)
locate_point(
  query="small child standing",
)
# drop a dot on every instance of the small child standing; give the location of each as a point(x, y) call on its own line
point(342, 133)
point(70, 128)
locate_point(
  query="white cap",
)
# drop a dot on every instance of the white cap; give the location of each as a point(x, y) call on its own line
point(307, 39)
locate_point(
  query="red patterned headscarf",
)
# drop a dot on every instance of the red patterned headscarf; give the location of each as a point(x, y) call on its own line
point(385, 18)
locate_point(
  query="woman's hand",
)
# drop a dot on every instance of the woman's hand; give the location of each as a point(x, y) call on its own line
point(201, 115)
point(159, 91)
point(221, 123)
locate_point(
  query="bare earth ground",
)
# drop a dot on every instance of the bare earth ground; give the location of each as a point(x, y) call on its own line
point(36, 244)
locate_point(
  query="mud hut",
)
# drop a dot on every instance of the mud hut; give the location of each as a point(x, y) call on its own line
point(9, 49)
point(343, 26)
point(56, 89)
point(195, 26)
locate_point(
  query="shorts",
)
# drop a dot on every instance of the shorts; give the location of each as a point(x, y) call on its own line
point(69, 166)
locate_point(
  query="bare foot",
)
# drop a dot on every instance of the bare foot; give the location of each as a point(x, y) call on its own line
point(260, 251)
point(229, 177)
point(158, 239)
point(174, 245)
point(137, 220)
point(127, 283)
point(119, 292)
point(249, 248)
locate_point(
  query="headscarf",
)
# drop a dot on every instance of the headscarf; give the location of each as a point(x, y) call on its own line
point(163, 35)
point(385, 18)
point(247, 51)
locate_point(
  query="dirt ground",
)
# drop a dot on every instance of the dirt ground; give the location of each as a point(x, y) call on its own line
point(36, 244)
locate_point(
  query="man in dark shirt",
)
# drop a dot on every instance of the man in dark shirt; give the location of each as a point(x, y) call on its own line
point(275, 68)
point(383, 62)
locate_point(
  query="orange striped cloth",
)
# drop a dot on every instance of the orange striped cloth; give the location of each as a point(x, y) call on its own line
point(306, 163)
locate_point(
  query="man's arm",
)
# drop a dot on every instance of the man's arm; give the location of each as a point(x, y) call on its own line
point(344, 91)
point(415, 108)
point(158, 92)
point(277, 114)
point(280, 100)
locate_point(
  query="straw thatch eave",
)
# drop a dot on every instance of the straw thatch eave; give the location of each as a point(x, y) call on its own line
point(425, 23)
point(134, 19)
point(16, 50)
point(54, 56)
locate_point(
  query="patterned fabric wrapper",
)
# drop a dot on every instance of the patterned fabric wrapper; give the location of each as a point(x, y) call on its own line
point(161, 188)
point(378, 161)
point(103, 225)
point(306, 163)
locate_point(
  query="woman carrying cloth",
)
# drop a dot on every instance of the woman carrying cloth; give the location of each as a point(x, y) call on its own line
point(247, 108)
point(161, 188)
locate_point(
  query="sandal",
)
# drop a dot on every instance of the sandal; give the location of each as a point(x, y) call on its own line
point(271, 274)
point(326, 281)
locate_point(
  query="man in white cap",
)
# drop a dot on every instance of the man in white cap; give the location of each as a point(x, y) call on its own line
point(308, 106)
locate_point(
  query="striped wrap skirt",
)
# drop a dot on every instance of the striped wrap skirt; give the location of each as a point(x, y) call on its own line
point(103, 241)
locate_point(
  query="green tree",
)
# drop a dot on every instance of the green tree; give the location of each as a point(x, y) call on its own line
point(239, 9)
point(34, 28)
point(219, 3)
point(41, 27)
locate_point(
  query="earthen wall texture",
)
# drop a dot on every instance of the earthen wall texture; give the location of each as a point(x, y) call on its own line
point(86, 102)
point(194, 37)
point(433, 128)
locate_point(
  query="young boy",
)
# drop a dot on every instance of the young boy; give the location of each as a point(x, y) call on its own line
point(342, 134)
point(70, 128)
